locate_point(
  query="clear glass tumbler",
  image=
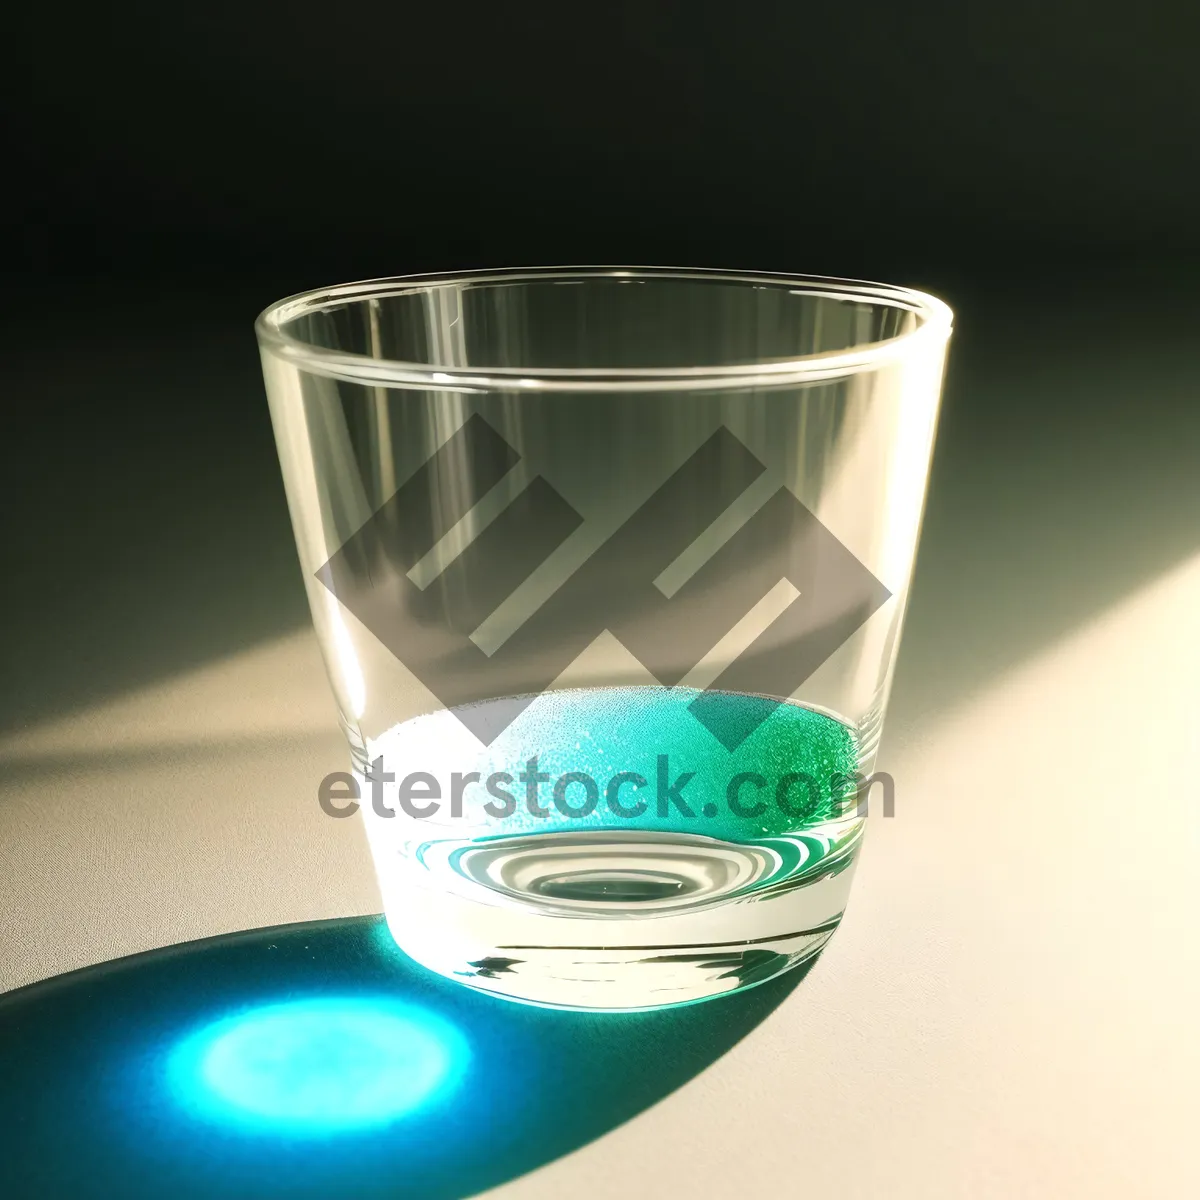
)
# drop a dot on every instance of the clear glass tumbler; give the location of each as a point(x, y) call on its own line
point(608, 568)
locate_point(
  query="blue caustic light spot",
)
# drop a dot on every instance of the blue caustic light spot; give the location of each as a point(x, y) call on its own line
point(313, 1067)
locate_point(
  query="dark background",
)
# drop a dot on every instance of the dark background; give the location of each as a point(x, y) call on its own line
point(312, 141)
point(175, 168)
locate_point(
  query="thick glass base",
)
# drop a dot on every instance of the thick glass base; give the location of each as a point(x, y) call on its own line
point(615, 920)
point(607, 851)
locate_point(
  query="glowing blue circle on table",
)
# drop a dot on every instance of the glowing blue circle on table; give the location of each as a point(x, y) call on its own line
point(319, 1066)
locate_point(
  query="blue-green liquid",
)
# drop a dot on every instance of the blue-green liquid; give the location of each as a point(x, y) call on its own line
point(788, 775)
point(526, 868)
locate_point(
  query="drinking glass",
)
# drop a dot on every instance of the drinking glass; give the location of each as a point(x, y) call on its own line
point(608, 568)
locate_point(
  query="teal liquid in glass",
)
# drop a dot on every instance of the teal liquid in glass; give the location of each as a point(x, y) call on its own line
point(629, 761)
point(787, 775)
point(606, 848)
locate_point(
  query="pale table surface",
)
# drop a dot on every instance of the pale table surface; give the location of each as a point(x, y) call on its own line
point(1010, 1006)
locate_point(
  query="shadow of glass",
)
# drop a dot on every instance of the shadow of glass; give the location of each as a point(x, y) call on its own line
point(93, 1084)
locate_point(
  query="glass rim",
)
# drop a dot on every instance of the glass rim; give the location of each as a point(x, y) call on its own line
point(935, 322)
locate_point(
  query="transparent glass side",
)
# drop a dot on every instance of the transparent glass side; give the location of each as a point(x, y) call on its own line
point(540, 612)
